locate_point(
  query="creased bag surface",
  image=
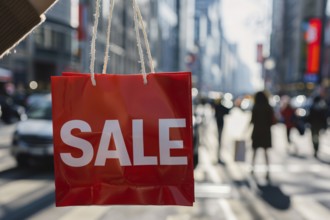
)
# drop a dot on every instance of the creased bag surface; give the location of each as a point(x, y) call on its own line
point(121, 141)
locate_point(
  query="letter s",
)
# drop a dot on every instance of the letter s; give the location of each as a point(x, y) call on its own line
point(83, 145)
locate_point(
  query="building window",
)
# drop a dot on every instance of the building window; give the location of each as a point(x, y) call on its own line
point(48, 38)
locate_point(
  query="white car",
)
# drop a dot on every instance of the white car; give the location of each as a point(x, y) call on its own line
point(33, 137)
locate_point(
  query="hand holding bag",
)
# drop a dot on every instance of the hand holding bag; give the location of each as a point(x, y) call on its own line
point(118, 140)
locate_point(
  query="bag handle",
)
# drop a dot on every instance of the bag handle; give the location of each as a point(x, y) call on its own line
point(106, 52)
point(145, 36)
point(138, 23)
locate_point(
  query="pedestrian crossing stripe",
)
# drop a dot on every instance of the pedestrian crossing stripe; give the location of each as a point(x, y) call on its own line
point(289, 168)
point(90, 212)
point(4, 153)
point(310, 208)
point(207, 190)
point(8, 164)
point(17, 189)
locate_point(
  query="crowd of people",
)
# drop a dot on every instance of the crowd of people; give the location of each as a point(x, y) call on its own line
point(264, 115)
point(316, 118)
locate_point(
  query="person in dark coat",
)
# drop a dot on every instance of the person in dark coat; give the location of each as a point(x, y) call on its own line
point(262, 119)
point(317, 119)
point(288, 118)
point(220, 112)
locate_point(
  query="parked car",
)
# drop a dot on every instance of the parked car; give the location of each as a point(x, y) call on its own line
point(33, 138)
point(36, 98)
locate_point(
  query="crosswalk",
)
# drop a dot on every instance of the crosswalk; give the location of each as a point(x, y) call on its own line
point(18, 189)
point(222, 192)
point(93, 212)
point(298, 175)
point(29, 194)
point(26, 194)
point(23, 192)
point(34, 199)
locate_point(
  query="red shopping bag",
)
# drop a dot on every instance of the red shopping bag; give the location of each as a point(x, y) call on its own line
point(123, 141)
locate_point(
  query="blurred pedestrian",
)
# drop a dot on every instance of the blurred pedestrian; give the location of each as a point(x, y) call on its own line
point(220, 112)
point(262, 119)
point(317, 119)
point(288, 118)
point(18, 18)
point(6, 110)
point(328, 106)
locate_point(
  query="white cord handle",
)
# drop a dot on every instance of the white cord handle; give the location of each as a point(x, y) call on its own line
point(106, 53)
point(138, 39)
point(146, 41)
point(138, 21)
point(94, 36)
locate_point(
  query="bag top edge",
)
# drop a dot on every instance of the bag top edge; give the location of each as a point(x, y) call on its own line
point(120, 74)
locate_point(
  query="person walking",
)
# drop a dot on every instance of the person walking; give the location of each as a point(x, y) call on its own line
point(262, 119)
point(220, 111)
point(288, 118)
point(317, 119)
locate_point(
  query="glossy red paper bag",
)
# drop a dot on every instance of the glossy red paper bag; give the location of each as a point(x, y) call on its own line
point(123, 141)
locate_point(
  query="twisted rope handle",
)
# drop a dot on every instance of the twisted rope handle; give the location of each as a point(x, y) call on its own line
point(138, 39)
point(106, 53)
point(146, 41)
point(138, 21)
point(94, 36)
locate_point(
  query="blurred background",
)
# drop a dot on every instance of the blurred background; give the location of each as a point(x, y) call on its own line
point(230, 46)
point(233, 48)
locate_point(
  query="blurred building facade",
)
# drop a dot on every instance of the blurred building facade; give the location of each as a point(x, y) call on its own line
point(296, 45)
point(62, 42)
point(326, 45)
point(218, 65)
point(184, 35)
point(164, 34)
point(49, 50)
point(123, 55)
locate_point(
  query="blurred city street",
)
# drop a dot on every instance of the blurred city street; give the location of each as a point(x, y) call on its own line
point(258, 67)
point(299, 185)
